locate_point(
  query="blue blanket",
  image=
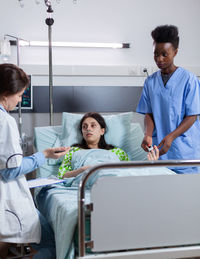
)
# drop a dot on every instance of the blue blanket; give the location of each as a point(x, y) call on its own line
point(59, 203)
point(90, 157)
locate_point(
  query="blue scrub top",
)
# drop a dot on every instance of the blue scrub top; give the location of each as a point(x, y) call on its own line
point(170, 104)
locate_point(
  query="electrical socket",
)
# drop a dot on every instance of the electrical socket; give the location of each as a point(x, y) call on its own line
point(147, 70)
point(133, 71)
point(144, 71)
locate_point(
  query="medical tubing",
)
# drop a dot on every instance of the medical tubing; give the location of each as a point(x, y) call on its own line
point(136, 164)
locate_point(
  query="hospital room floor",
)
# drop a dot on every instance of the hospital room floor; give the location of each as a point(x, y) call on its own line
point(24, 252)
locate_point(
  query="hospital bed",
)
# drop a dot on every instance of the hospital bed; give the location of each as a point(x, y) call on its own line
point(148, 213)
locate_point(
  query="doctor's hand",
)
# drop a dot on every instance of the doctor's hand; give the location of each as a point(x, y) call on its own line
point(56, 152)
point(165, 144)
point(147, 142)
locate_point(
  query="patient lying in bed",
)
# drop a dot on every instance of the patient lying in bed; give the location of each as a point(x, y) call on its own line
point(93, 128)
point(59, 202)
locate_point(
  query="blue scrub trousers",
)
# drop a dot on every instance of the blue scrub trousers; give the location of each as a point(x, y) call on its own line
point(46, 249)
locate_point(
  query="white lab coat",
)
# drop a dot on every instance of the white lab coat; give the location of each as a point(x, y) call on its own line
point(19, 220)
point(9, 141)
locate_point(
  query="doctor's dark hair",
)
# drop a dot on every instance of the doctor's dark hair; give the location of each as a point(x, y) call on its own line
point(166, 33)
point(12, 79)
point(102, 143)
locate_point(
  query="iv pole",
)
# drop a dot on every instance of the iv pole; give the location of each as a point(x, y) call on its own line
point(49, 21)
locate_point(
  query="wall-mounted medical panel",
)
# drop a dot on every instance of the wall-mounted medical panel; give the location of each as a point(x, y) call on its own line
point(86, 98)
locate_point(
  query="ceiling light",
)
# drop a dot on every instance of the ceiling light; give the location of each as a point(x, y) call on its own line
point(25, 43)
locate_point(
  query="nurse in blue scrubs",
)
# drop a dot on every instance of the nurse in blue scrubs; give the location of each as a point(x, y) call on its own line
point(171, 103)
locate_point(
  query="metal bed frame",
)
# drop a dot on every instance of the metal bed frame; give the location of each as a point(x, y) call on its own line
point(191, 251)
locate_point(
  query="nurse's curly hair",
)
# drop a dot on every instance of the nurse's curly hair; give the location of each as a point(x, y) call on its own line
point(12, 79)
point(102, 143)
point(166, 33)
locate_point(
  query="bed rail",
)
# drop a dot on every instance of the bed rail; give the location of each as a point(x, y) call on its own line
point(135, 164)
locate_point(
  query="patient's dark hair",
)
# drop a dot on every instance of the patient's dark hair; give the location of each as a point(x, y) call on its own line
point(102, 143)
point(12, 79)
point(166, 33)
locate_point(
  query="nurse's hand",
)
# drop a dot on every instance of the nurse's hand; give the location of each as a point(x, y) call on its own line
point(153, 154)
point(56, 152)
point(165, 144)
point(147, 142)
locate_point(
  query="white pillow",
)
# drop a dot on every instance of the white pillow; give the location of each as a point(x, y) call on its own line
point(117, 134)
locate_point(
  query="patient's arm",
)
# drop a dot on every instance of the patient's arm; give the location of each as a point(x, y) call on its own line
point(66, 163)
point(76, 172)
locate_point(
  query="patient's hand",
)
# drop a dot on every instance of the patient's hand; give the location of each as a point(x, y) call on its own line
point(153, 154)
point(56, 152)
point(76, 172)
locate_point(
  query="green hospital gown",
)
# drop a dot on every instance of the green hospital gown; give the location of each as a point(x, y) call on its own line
point(66, 163)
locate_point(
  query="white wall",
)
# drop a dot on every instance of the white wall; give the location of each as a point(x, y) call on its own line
point(98, 21)
point(102, 21)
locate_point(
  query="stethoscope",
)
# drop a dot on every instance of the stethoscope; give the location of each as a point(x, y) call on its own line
point(17, 154)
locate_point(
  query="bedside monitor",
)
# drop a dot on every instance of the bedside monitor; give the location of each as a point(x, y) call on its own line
point(27, 98)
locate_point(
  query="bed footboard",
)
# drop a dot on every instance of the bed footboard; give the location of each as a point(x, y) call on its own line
point(151, 212)
point(164, 253)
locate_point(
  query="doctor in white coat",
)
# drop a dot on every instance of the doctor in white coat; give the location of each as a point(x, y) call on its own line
point(19, 220)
